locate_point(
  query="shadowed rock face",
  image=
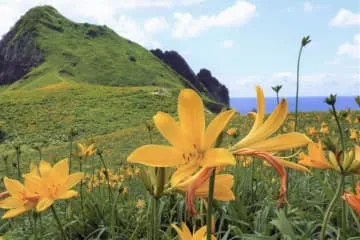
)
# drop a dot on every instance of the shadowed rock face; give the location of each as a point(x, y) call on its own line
point(18, 54)
point(203, 81)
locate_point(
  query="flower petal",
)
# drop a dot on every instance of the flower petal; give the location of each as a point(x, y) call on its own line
point(222, 188)
point(183, 173)
point(192, 117)
point(61, 168)
point(216, 126)
point(156, 156)
point(172, 131)
point(73, 179)
point(215, 157)
point(271, 124)
point(15, 212)
point(11, 202)
point(69, 194)
point(281, 142)
point(200, 234)
point(14, 187)
point(184, 233)
point(293, 165)
point(44, 169)
point(259, 116)
point(43, 204)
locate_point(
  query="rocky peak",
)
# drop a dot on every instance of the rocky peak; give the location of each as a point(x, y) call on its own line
point(203, 81)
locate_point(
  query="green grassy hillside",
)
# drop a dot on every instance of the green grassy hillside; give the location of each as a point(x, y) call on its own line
point(86, 53)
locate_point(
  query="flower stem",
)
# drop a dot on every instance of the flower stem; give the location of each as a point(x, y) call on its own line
point(59, 223)
point(155, 218)
point(339, 127)
point(297, 87)
point(18, 163)
point(331, 206)
point(210, 199)
point(81, 191)
point(35, 217)
point(106, 175)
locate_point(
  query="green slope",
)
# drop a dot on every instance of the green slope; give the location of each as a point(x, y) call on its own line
point(87, 53)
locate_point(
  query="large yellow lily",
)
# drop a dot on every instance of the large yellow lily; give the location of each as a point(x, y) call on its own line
point(259, 143)
point(22, 197)
point(353, 199)
point(192, 145)
point(53, 183)
point(185, 234)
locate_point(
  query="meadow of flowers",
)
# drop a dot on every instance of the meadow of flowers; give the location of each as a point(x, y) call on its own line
point(281, 176)
point(208, 182)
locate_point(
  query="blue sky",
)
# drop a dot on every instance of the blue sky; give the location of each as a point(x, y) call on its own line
point(243, 43)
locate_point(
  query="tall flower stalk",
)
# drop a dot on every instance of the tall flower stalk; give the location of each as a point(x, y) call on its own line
point(277, 89)
point(305, 41)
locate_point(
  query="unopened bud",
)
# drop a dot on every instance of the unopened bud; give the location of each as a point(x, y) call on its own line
point(331, 100)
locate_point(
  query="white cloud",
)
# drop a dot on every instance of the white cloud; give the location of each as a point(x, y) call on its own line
point(345, 18)
point(228, 43)
point(107, 12)
point(350, 49)
point(155, 25)
point(187, 25)
point(311, 7)
point(311, 84)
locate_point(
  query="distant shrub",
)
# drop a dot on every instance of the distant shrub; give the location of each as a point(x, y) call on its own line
point(132, 58)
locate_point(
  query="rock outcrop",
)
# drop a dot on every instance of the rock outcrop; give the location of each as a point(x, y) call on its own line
point(203, 81)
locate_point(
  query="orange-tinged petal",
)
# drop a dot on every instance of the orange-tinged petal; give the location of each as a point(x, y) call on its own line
point(172, 131)
point(293, 165)
point(192, 117)
point(15, 212)
point(44, 169)
point(73, 179)
point(183, 173)
point(216, 126)
point(281, 142)
point(353, 201)
point(44, 204)
point(215, 157)
point(184, 233)
point(68, 194)
point(14, 187)
point(157, 156)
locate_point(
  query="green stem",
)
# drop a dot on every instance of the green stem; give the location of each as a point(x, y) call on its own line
point(35, 225)
point(107, 176)
point(70, 151)
point(18, 163)
point(59, 223)
point(297, 87)
point(81, 191)
point(113, 219)
point(210, 203)
point(277, 97)
point(331, 206)
point(339, 127)
point(155, 217)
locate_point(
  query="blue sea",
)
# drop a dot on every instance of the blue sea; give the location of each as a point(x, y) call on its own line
point(306, 104)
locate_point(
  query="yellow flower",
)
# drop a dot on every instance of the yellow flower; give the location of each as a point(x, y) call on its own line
point(84, 151)
point(316, 159)
point(53, 183)
point(257, 142)
point(22, 197)
point(198, 185)
point(353, 199)
point(185, 234)
point(311, 131)
point(140, 203)
point(192, 145)
point(324, 129)
point(353, 134)
point(232, 132)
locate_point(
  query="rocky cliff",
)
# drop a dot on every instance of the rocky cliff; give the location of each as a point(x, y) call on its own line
point(203, 81)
